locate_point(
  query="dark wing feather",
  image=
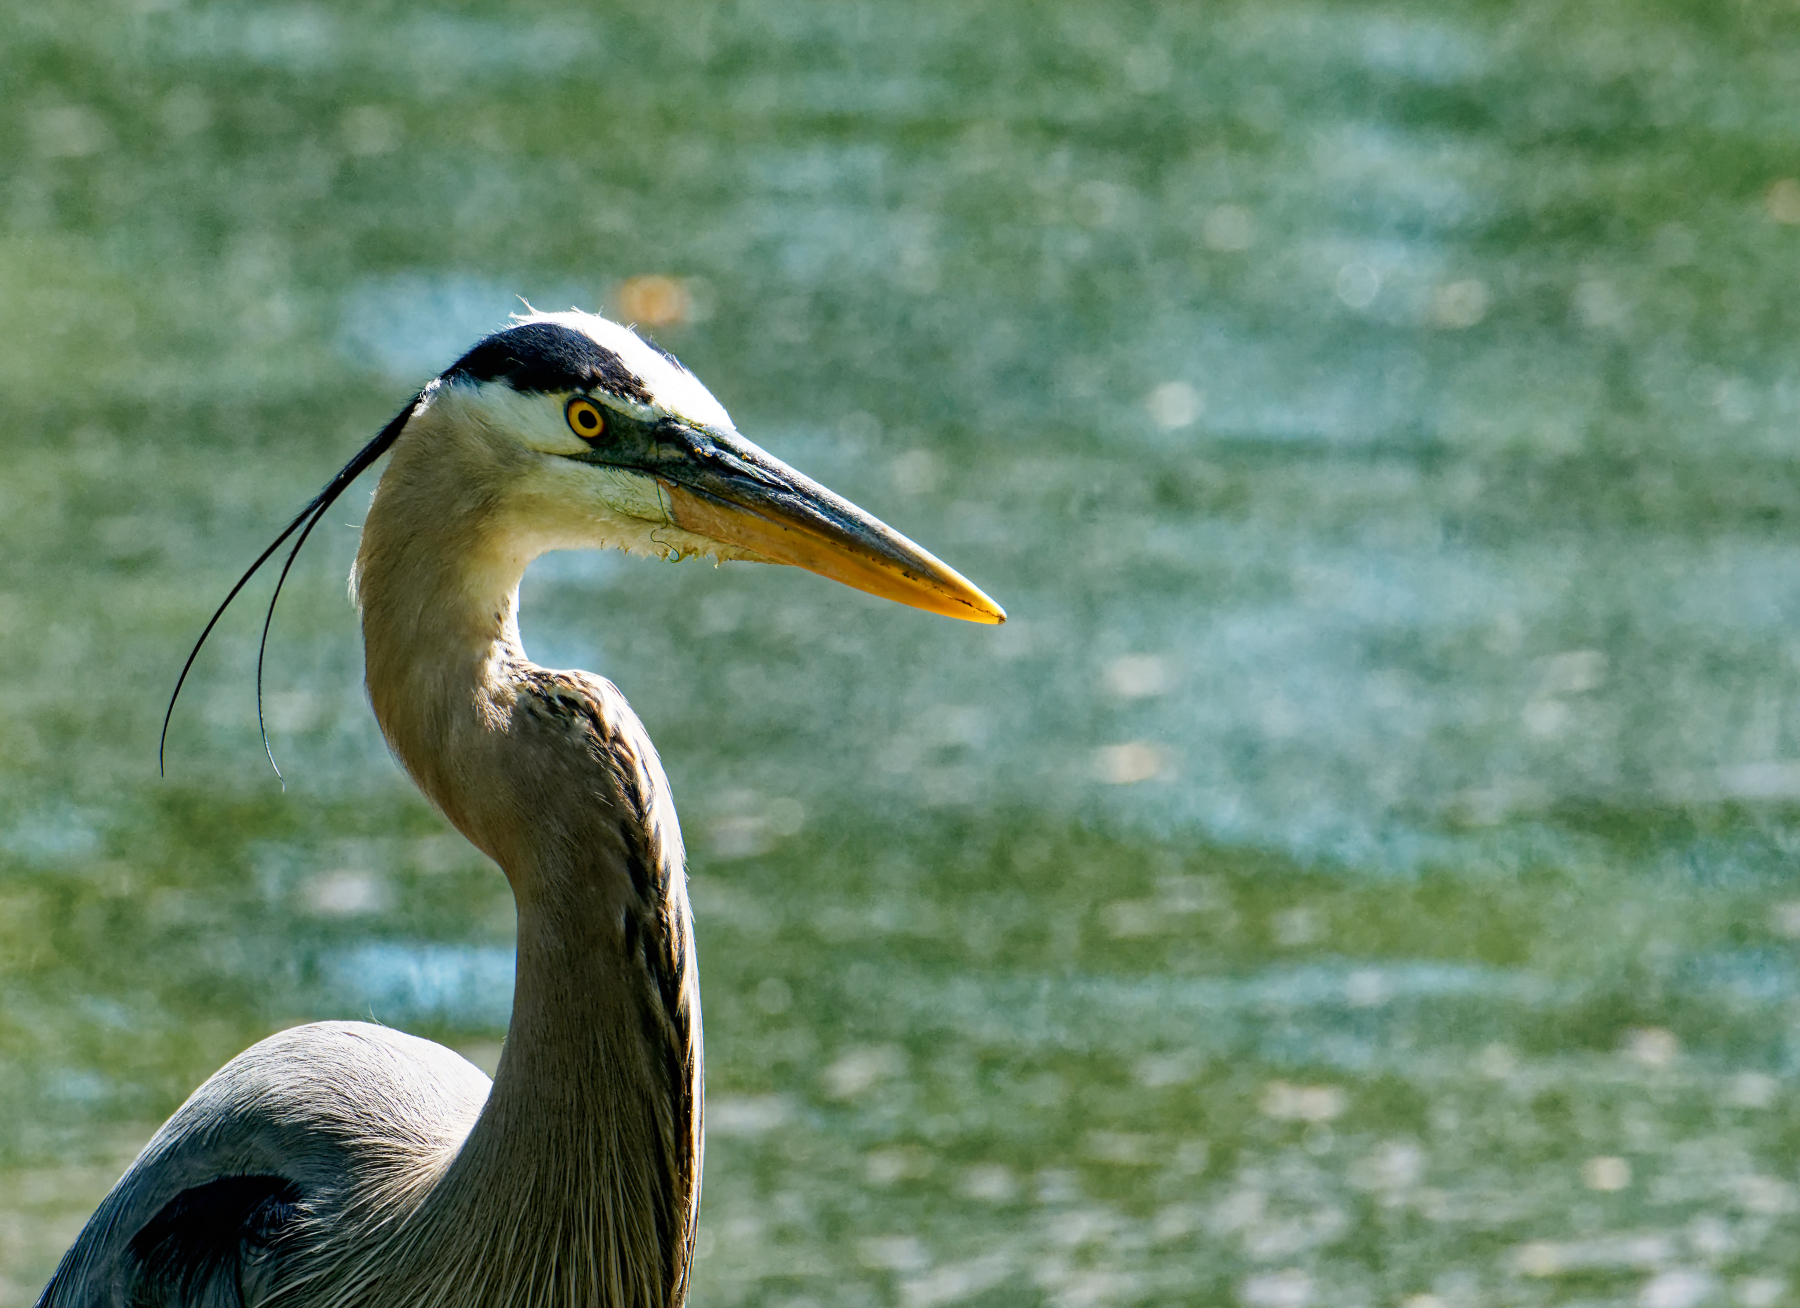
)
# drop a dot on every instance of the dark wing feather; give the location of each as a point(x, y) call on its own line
point(211, 1245)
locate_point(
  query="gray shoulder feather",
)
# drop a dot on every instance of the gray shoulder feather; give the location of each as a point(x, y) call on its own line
point(262, 1161)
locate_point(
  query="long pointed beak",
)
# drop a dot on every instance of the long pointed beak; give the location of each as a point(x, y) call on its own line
point(729, 490)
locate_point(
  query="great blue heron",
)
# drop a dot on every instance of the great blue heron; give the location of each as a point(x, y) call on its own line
point(345, 1165)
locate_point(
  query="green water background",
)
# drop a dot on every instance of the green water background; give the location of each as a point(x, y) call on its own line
point(1363, 871)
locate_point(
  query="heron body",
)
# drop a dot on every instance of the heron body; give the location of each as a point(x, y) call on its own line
point(345, 1165)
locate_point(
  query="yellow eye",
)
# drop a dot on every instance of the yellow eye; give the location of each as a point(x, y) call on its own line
point(585, 418)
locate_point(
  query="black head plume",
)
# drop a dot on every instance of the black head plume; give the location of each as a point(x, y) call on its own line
point(303, 522)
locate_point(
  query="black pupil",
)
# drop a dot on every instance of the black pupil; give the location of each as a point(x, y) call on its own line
point(587, 419)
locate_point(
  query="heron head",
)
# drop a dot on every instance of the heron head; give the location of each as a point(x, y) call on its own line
point(591, 436)
point(569, 431)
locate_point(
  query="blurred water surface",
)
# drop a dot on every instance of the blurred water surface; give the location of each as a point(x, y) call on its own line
point(1361, 872)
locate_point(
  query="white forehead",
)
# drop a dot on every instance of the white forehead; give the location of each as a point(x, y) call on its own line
point(676, 390)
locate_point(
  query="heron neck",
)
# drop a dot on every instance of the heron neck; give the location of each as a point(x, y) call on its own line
point(577, 1184)
point(585, 1160)
point(437, 584)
